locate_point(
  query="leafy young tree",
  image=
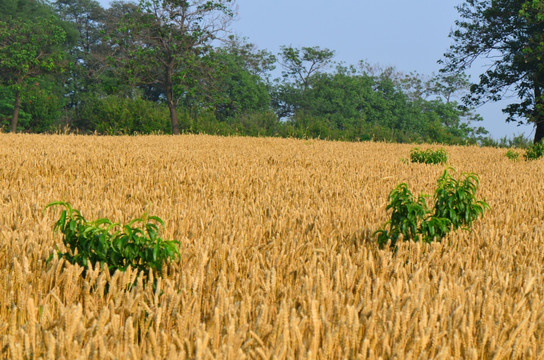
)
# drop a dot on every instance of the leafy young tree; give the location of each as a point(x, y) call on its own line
point(168, 39)
point(28, 49)
point(510, 34)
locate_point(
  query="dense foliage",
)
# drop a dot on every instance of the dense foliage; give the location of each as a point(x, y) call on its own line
point(155, 66)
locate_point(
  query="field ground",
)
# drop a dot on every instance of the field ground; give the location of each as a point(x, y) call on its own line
point(277, 259)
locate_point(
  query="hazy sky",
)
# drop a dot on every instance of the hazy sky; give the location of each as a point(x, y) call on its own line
point(409, 35)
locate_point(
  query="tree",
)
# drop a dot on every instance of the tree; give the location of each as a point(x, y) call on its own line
point(372, 102)
point(168, 39)
point(24, 9)
point(448, 86)
point(301, 64)
point(256, 61)
point(28, 49)
point(122, 72)
point(240, 84)
point(87, 52)
point(510, 34)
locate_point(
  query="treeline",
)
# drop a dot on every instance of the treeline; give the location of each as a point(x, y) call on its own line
point(164, 66)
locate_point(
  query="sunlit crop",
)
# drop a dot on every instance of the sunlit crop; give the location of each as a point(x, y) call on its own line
point(277, 258)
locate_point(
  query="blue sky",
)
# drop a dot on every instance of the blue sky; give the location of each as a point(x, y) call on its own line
point(409, 35)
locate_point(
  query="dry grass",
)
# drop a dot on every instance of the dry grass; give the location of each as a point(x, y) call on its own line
point(277, 260)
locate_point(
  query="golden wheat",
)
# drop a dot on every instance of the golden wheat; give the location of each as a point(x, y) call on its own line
point(277, 258)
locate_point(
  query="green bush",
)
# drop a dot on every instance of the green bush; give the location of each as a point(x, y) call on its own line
point(113, 245)
point(455, 206)
point(428, 156)
point(7, 100)
point(114, 115)
point(44, 102)
point(455, 200)
point(535, 151)
point(512, 155)
point(406, 217)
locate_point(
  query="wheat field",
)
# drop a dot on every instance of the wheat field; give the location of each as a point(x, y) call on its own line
point(277, 258)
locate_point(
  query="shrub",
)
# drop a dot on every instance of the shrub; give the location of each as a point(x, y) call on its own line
point(455, 206)
point(428, 156)
point(111, 244)
point(534, 151)
point(44, 102)
point(406, 216)
point(455, 200)
point(512, 155)
point(114, 115)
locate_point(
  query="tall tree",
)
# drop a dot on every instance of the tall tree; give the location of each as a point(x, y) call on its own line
point(301, 64)
point(87, 17)
point(24, 9)
point(168, 39)
point(122, 71)
point(240, 79)
point(509, 34)
point(28, 49)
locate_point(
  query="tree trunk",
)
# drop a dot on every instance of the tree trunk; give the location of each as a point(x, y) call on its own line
point(171, 102)
point(174, 118)
point(16, 107)
point(539, 133)
point(538, 115)
point(173, 114)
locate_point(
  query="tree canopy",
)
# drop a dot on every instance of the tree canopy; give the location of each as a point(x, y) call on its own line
point(169, 37)
point(509, 35)
point(172, 66)
point(28, 49)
